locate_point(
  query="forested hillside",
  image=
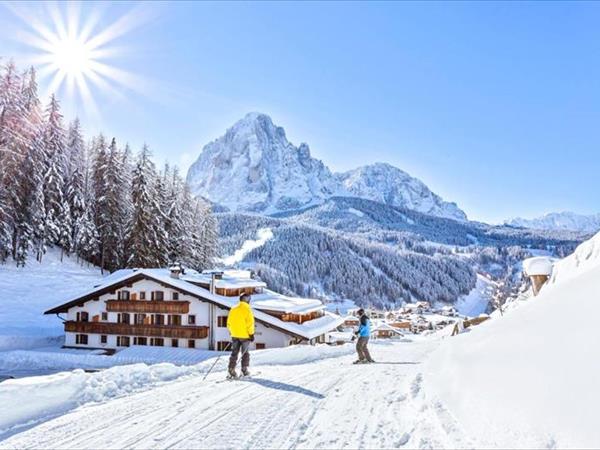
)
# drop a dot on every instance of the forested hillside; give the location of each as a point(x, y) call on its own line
point(91, 198)
point(377, 254)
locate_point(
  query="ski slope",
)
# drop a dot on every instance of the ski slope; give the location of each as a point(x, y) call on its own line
point(324, 403)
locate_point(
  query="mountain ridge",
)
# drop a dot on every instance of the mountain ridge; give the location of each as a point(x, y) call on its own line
point(254, 168)
point(565, 220)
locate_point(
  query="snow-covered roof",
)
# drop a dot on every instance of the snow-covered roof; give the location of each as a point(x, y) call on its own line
point(273, 301)
point(538, 265)
point(308, 330)
point(231, 279)
point(383, 326)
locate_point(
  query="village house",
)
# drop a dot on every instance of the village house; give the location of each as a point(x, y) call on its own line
point(403, 325)
point(385, 331)
point(177, 308)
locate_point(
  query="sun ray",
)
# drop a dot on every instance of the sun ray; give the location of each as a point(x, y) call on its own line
point(74, 52)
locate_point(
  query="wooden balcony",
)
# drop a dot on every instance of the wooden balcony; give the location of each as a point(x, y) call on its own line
point(124, 329)
point(148, 306)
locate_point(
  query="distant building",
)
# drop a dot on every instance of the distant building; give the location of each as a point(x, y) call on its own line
point(177, 308)
point(538, 269)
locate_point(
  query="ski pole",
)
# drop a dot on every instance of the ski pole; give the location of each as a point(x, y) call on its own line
point(216, 361)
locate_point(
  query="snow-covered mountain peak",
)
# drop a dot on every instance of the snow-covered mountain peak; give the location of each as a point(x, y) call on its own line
point(385, 183)
point(565, 220)
point(253, 167)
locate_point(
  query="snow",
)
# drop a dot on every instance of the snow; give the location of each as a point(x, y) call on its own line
point(28, 292)
point(325, 402)
point(538, 265)
point(262, 235)
point(387, 184)
point(476, 302)
point(254, 168)
point(356, 212)
point(529, 379)
point(51, 395)
point(560, 221)
point(273, 301)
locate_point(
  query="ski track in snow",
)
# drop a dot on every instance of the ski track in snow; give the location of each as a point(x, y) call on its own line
point(326, 404)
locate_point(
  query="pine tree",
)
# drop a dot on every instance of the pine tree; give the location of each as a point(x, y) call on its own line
point(75, 182)
point(54, 200)
point(147, 239)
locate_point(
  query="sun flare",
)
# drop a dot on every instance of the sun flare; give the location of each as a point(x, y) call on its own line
point(77, 51)
point(73, 57)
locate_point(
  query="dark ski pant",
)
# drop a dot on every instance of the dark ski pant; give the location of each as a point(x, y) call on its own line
point(236, 346)
point(362, 350)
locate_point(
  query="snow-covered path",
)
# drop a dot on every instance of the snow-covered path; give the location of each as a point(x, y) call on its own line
point(325, 404)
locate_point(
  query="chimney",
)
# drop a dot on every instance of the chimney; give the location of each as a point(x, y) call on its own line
point(175, 271)
point(214, 276)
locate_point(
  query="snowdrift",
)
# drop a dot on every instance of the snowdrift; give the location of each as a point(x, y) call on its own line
point(530, 378)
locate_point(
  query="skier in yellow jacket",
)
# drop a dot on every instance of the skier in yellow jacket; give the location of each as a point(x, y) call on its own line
point(240, 324)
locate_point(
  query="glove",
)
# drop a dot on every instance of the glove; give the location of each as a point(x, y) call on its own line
point(251, 338)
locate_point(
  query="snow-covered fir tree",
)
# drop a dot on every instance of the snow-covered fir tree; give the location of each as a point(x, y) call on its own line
point(56, 190)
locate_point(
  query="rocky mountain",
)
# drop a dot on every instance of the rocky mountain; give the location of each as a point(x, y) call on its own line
point(387, 184)
point(560, 221)
point(254, 168)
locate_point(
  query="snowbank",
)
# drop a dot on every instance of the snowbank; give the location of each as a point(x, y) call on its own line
point(530, 378)
point(28, 401)
point(585, 257)
point(27, 292)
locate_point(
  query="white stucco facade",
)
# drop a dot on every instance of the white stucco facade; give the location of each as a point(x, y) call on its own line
point(205, 314)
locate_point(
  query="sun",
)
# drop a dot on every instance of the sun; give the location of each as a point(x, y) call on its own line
point(73, 57)
point(76, 51)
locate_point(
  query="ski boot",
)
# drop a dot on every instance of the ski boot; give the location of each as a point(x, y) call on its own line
point(232, 374)
point(359, 361)
point(245, 372)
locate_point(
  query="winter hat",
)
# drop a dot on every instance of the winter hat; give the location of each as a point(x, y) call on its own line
point(245, 298)
point(360, 312)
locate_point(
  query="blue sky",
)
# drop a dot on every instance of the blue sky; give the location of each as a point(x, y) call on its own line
point(494, 105)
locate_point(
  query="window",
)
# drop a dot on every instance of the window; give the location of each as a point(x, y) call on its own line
point(142, 295)
point(158, 319)
point(260, 346)
point(123, 295)
point(123, 318)
point(158, 295)
point(157, 342)
point(139, 319)
point(105, 316)
point(175, 295)
point(222, 321)
point(174, 320)
point(191, 343)
point(174, 343)
point(140, 341)
point(122, 341)
point(191, 320)
point(82, 316)
point(223, 346)
point(103, 339)
point(81, 339)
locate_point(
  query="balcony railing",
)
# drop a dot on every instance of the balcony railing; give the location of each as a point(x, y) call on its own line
point(148, 306)
point(125, 329)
